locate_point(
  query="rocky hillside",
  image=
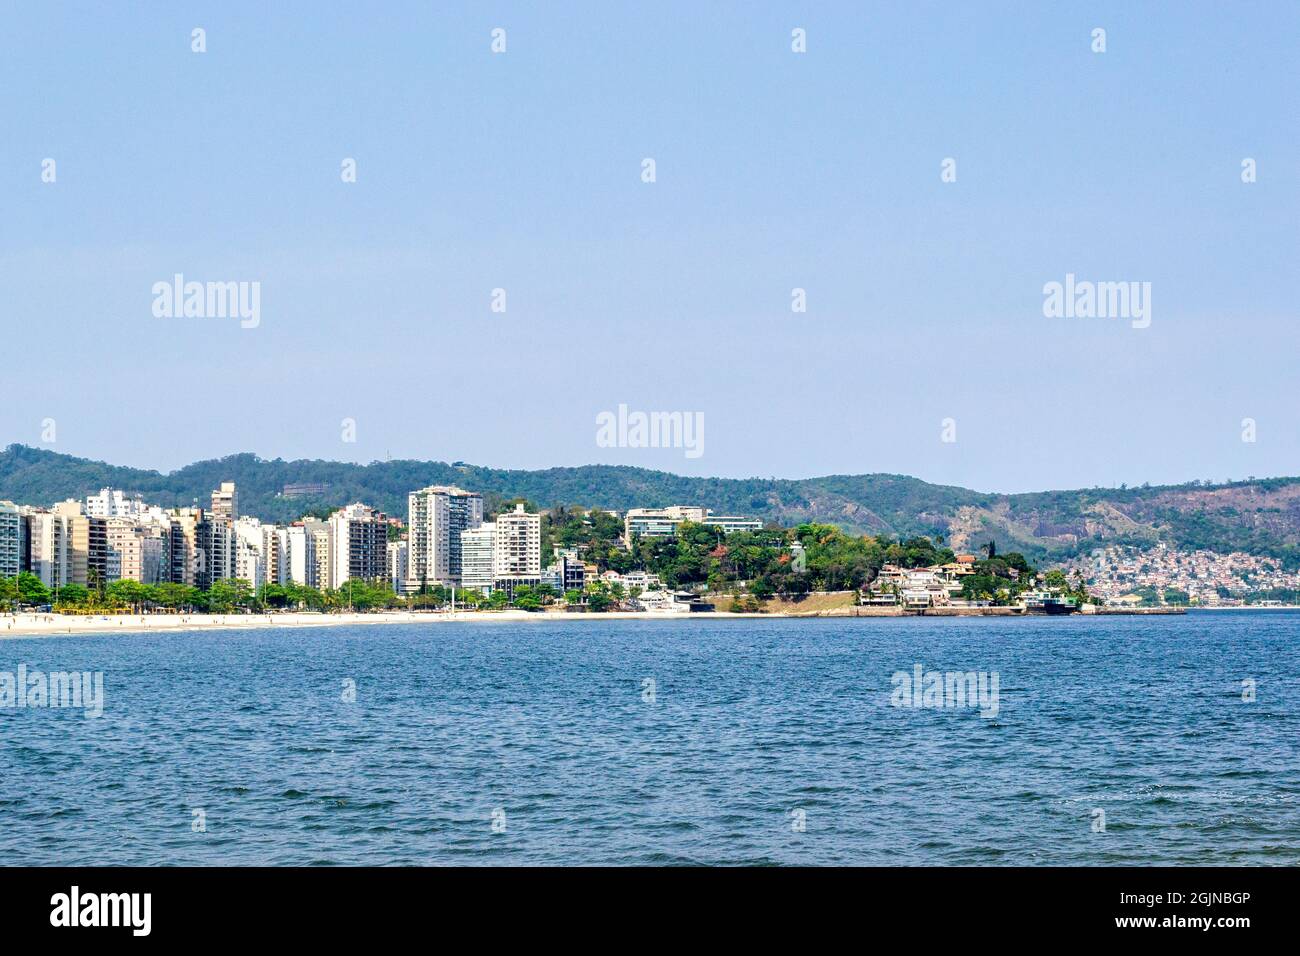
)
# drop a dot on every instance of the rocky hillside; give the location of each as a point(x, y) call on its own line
point(1261, 517)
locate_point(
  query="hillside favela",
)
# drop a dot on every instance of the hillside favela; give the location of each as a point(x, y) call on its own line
point(457, 550)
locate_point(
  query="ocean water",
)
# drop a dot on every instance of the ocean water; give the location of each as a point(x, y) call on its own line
point(676, 742)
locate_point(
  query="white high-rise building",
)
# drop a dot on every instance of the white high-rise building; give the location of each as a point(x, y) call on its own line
point(299, 554)
point(308, 553)
point(250, 561)
point(51, 548)
point(397, 564)
point(478, 548)
point(437, 516)
point(517, 551)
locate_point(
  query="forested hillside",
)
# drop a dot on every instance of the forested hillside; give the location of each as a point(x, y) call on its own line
point(1258, 516)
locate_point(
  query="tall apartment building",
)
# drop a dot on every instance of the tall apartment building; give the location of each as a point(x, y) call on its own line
point(216, 538)
point(78, 531)
point(225, 502)
point(437, 517)
point(155, 550)
point(517, 551)
point(359, 545)
point(250, 561)
point(88, 556)
point(186, 560)
point(12, 528)
point(307, 553)
point(97, 554)
point(50, 558)
point(397, 552)
point(216, 551)
point(322, 536)
point(123, 550)
point(478, 546)
point(300, 555)
point(275, 554)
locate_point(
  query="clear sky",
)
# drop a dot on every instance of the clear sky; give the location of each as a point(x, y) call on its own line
point(774, 170)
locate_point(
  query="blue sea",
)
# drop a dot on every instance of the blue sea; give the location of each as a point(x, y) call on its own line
point(1117, 740)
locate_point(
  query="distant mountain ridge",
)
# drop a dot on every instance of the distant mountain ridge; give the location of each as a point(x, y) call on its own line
point(1259, 516)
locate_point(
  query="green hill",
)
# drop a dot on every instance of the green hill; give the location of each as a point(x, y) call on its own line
point(1260, 517)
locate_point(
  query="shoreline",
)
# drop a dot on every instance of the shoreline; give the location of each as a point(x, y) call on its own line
point(55, 625)
point(1249, 607)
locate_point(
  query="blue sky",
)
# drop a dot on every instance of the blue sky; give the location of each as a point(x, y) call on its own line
point(775, 170)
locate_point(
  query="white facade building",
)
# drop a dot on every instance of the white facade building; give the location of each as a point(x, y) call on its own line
point(51, 543)
point(517, 550)
point(730, 524)
point(437, 516)
point(250, 543)
point(478, 548)
point(658, 522)
point(397, 564)
point(663, 522)
point(295, 559)
point(304, 563)
point(113, 503)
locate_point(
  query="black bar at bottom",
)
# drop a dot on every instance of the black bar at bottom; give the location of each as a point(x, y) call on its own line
point(333, 906)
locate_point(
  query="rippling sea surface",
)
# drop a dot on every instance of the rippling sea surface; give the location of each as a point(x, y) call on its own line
point(675, 742)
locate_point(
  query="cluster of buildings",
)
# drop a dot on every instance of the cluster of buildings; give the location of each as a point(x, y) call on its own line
point(917, 588)
point(663, 522)
point(448, 543)
point(1207, 577)
point(111, 536)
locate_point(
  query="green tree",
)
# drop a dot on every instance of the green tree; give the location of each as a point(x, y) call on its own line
point(174, 596)
point(228, 594)
point(26, 588)
point(73, 595)
point(127, 593)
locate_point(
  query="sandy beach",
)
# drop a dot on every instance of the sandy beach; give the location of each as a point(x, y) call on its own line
point(36, 625)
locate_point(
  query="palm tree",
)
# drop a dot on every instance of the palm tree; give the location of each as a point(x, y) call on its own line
point(96, 582)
